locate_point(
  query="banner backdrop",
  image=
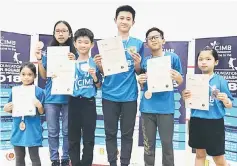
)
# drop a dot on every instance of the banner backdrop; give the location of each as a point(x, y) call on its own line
point(181, 49)
point(15, 50)
point(227, 67)
point(46, 40)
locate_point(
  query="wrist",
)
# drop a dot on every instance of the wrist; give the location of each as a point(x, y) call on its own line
point(39, 59)
point(226, 101)
point(95, 80)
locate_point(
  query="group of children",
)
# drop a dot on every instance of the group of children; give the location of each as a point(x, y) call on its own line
point(119, 103)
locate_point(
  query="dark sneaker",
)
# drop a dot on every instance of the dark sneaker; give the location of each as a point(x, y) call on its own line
point(55, 163)
point(65, 163)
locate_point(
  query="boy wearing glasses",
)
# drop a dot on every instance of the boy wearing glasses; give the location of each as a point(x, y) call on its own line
point(158, 111)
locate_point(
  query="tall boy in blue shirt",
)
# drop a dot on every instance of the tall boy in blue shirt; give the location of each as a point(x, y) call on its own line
point(120, 92)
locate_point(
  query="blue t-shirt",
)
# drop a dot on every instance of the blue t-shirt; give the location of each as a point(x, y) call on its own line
point(122, 87)
point(216, 107)
point(84, 85)
point(52, 99)
point(32, 135)
point(160, 102)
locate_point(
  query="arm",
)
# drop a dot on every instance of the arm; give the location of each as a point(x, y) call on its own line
point(42, 70)
point(227, 103)
point(97, 82)
point(41, 62)
point(139, 60)
point(41, 109)
point(97, 60)
point(9, 106)
point(39, 101)
point(177, 73)
point(96, 76)
point(225, 95)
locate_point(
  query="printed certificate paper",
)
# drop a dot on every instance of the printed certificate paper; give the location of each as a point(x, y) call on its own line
point(198, 84)
point(113, 56)
point(56, 58)
point(63, 83)
point(23, 101)
point(158, 73)
point(59, 65)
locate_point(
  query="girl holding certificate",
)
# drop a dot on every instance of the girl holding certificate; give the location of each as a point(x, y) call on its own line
point(26, 130)
point(56, 104)
point(82, 106)
point(207, 130)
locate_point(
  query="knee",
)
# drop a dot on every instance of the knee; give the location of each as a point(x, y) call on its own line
point(201, 154)
point(219, 160)
point(167, 143)
point(110, 134)
point(65, 131)
point(53, 132)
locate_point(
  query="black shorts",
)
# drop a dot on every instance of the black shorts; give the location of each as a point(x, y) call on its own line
point(207, 134)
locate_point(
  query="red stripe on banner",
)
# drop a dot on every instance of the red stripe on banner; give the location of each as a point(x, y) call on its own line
point(191, 67)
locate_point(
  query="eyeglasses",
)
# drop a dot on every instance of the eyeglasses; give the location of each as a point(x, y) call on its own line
point(62, 31)
point(157, 37)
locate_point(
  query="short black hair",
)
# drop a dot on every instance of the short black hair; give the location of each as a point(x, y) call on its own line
point(29, 65)
point(212, 50)
point(155, 29)
point(84, 32)
point(125, 8)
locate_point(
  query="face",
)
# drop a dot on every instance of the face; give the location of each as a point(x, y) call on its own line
point(61, 33)
point(27, 76)
point(124, 21)
point(206, 62)
point(155, 41)
point(83, 45)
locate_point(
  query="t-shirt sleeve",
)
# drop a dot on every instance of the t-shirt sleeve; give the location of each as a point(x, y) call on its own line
point(40, 95)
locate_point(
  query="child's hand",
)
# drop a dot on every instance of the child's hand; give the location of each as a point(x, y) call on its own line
point(37, 103)
point(38, 50)
point(38, 53)
point(97, 60)
point(92, 72)
point(175, 75)
point(142, 78)
point(8, 107)
point(222, 97)
point(71, 56)
point(137, 58)
point(186, 94)
point(54, 75)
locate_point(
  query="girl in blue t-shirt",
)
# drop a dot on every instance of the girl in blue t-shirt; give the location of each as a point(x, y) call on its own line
point(56, 105)
point(27, 130)
point(207, 130)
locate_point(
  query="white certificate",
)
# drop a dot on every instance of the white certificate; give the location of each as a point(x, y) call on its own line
point(56, 58)
point(198, 84)
point(113, 55)
point(158, 74)
point(23, 101)
point(63, 83)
